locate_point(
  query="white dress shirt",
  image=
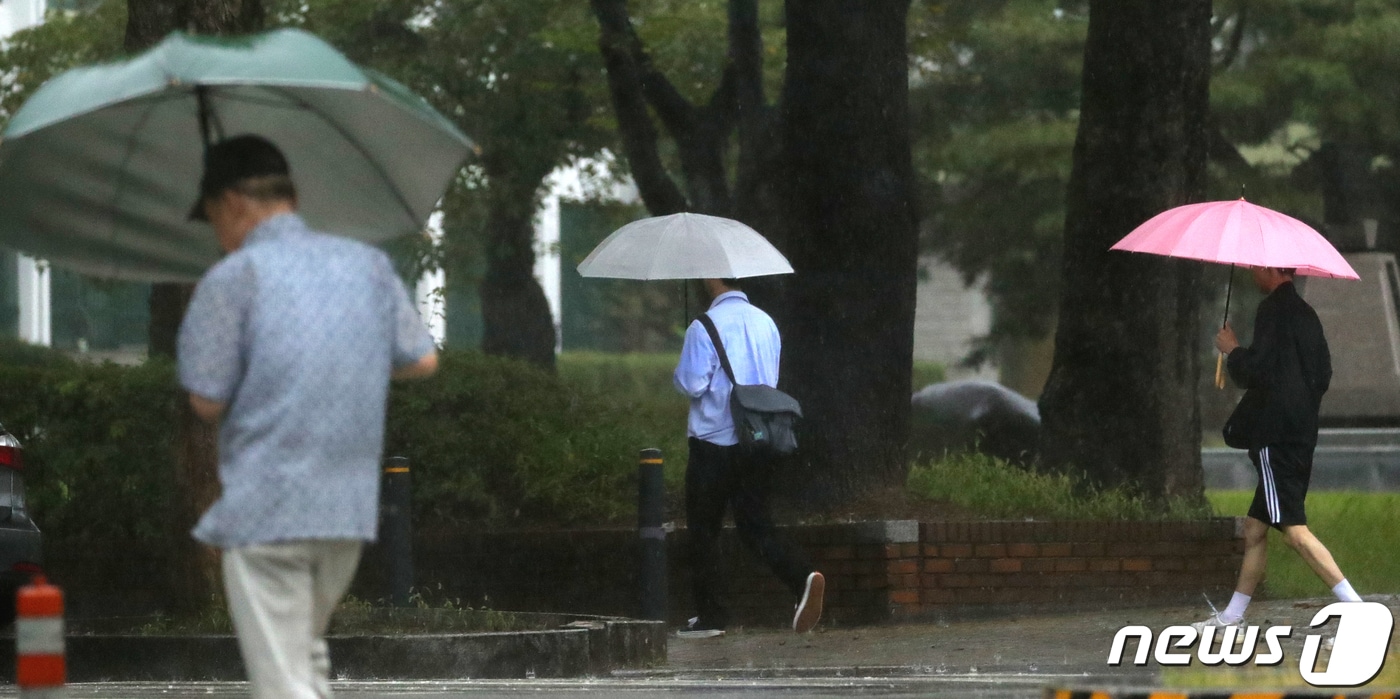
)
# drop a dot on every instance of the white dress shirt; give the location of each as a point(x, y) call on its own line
point(750, 339)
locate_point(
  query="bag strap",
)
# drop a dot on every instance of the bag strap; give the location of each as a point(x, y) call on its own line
point(719, 346)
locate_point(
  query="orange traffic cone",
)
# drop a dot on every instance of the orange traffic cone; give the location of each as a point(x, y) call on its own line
point(40, 669)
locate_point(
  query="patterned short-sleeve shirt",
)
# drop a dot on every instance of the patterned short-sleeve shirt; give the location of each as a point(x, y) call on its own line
point(296, 333)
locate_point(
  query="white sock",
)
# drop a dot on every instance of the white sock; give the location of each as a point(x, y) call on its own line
point(1234, 612)
point(1344, 592)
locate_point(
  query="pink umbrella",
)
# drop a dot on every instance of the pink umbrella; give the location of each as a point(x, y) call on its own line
point(1237, 233)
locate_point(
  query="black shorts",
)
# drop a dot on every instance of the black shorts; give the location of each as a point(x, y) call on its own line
point(1284, 471)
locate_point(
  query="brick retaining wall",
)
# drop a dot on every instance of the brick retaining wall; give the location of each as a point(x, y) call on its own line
point(876, 571)
point(959, 569)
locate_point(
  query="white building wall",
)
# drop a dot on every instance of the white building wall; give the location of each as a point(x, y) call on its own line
point(948, 316)
point(431, 290)
point(35, 316)
point(588, 179)
point(19, 14)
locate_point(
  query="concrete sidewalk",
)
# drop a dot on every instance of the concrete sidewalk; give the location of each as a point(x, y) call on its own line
point(1060, 645)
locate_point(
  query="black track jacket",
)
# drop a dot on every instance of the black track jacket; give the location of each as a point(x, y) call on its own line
point(1284, 372)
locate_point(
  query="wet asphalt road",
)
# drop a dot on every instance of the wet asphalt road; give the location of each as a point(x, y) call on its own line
point(1004, 658)
point(937, 687)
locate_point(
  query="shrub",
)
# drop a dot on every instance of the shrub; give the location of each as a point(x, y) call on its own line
point(492, 441)
point(995, 488)
point(97, 443)
point(16, 353)
point(499, 440)
point(640, 386)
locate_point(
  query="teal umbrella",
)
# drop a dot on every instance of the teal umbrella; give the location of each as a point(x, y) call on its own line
point(99, 168)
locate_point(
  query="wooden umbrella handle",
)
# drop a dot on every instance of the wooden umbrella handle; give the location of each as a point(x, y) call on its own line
point(1220, 371)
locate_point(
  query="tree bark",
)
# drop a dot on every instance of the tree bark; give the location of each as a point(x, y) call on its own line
point(702, 133)
point(1120, 404)
point(194, 567)
point(850, 206)
point(629, 67)
point(515, 313)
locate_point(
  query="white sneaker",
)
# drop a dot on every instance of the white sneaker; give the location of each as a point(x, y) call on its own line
point(691, 631)
point(809, 610)
point(1216, 621)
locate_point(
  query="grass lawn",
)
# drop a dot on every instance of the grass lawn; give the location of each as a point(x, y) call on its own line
point(1286, 674)
point(1362, 530)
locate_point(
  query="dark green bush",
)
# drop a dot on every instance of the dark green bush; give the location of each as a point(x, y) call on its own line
point(97, 443)
point(492, 441)
point(16, 353)
point(497, 440)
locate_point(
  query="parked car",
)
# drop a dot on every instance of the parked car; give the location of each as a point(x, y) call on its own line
point(20, 549)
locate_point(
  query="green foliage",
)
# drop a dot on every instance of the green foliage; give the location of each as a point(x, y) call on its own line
point(640, 386)
point(500, 441)
point(491, 441)
point(1361, 530)
point(97, 441)
point(926, 373)
point(1329, 64)
point(212, 619)
point(16, 353)
point(994, 488)
point(353, 616)
point(995, 103)
point(522, 78)
point(66, 39)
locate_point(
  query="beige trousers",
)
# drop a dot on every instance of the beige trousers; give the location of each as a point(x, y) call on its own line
point(281, 597)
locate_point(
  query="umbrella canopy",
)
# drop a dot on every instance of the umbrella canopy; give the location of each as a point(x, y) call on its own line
point(684, 246)
point(100, 167)
point(1238, 233)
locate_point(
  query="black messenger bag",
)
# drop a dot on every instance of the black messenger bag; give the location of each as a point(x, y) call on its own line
point(764, 417)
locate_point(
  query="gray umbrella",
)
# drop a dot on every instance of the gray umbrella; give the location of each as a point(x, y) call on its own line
point(100, 167)
point(684, 246)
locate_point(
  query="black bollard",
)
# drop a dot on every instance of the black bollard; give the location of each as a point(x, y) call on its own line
point(651, 512)
point(397, 536)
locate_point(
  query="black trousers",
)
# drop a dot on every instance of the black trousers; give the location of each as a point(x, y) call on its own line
point(716, 479)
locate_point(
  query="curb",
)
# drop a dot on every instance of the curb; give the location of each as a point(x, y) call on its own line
point(1053, 693)
point(589, 646)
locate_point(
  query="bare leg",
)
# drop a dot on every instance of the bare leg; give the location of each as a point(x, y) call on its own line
point(1256, 556)
point(1317, 556)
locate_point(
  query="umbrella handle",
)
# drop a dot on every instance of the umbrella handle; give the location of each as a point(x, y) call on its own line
point(1220, 358)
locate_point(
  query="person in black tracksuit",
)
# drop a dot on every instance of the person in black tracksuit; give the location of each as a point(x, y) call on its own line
point(1284, 373)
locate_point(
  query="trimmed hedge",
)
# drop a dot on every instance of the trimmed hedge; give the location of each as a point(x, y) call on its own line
point(492, 441)
point(97, 445)
point(496, 440)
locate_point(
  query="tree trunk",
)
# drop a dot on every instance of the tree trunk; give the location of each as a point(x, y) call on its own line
point(853, 241)
point(1120, 404)
point(193, 571)
point(515, 314)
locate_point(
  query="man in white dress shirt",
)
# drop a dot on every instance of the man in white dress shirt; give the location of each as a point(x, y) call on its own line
point(721, 473)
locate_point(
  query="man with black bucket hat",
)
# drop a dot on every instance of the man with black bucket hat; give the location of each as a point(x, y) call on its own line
point(288, 345)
